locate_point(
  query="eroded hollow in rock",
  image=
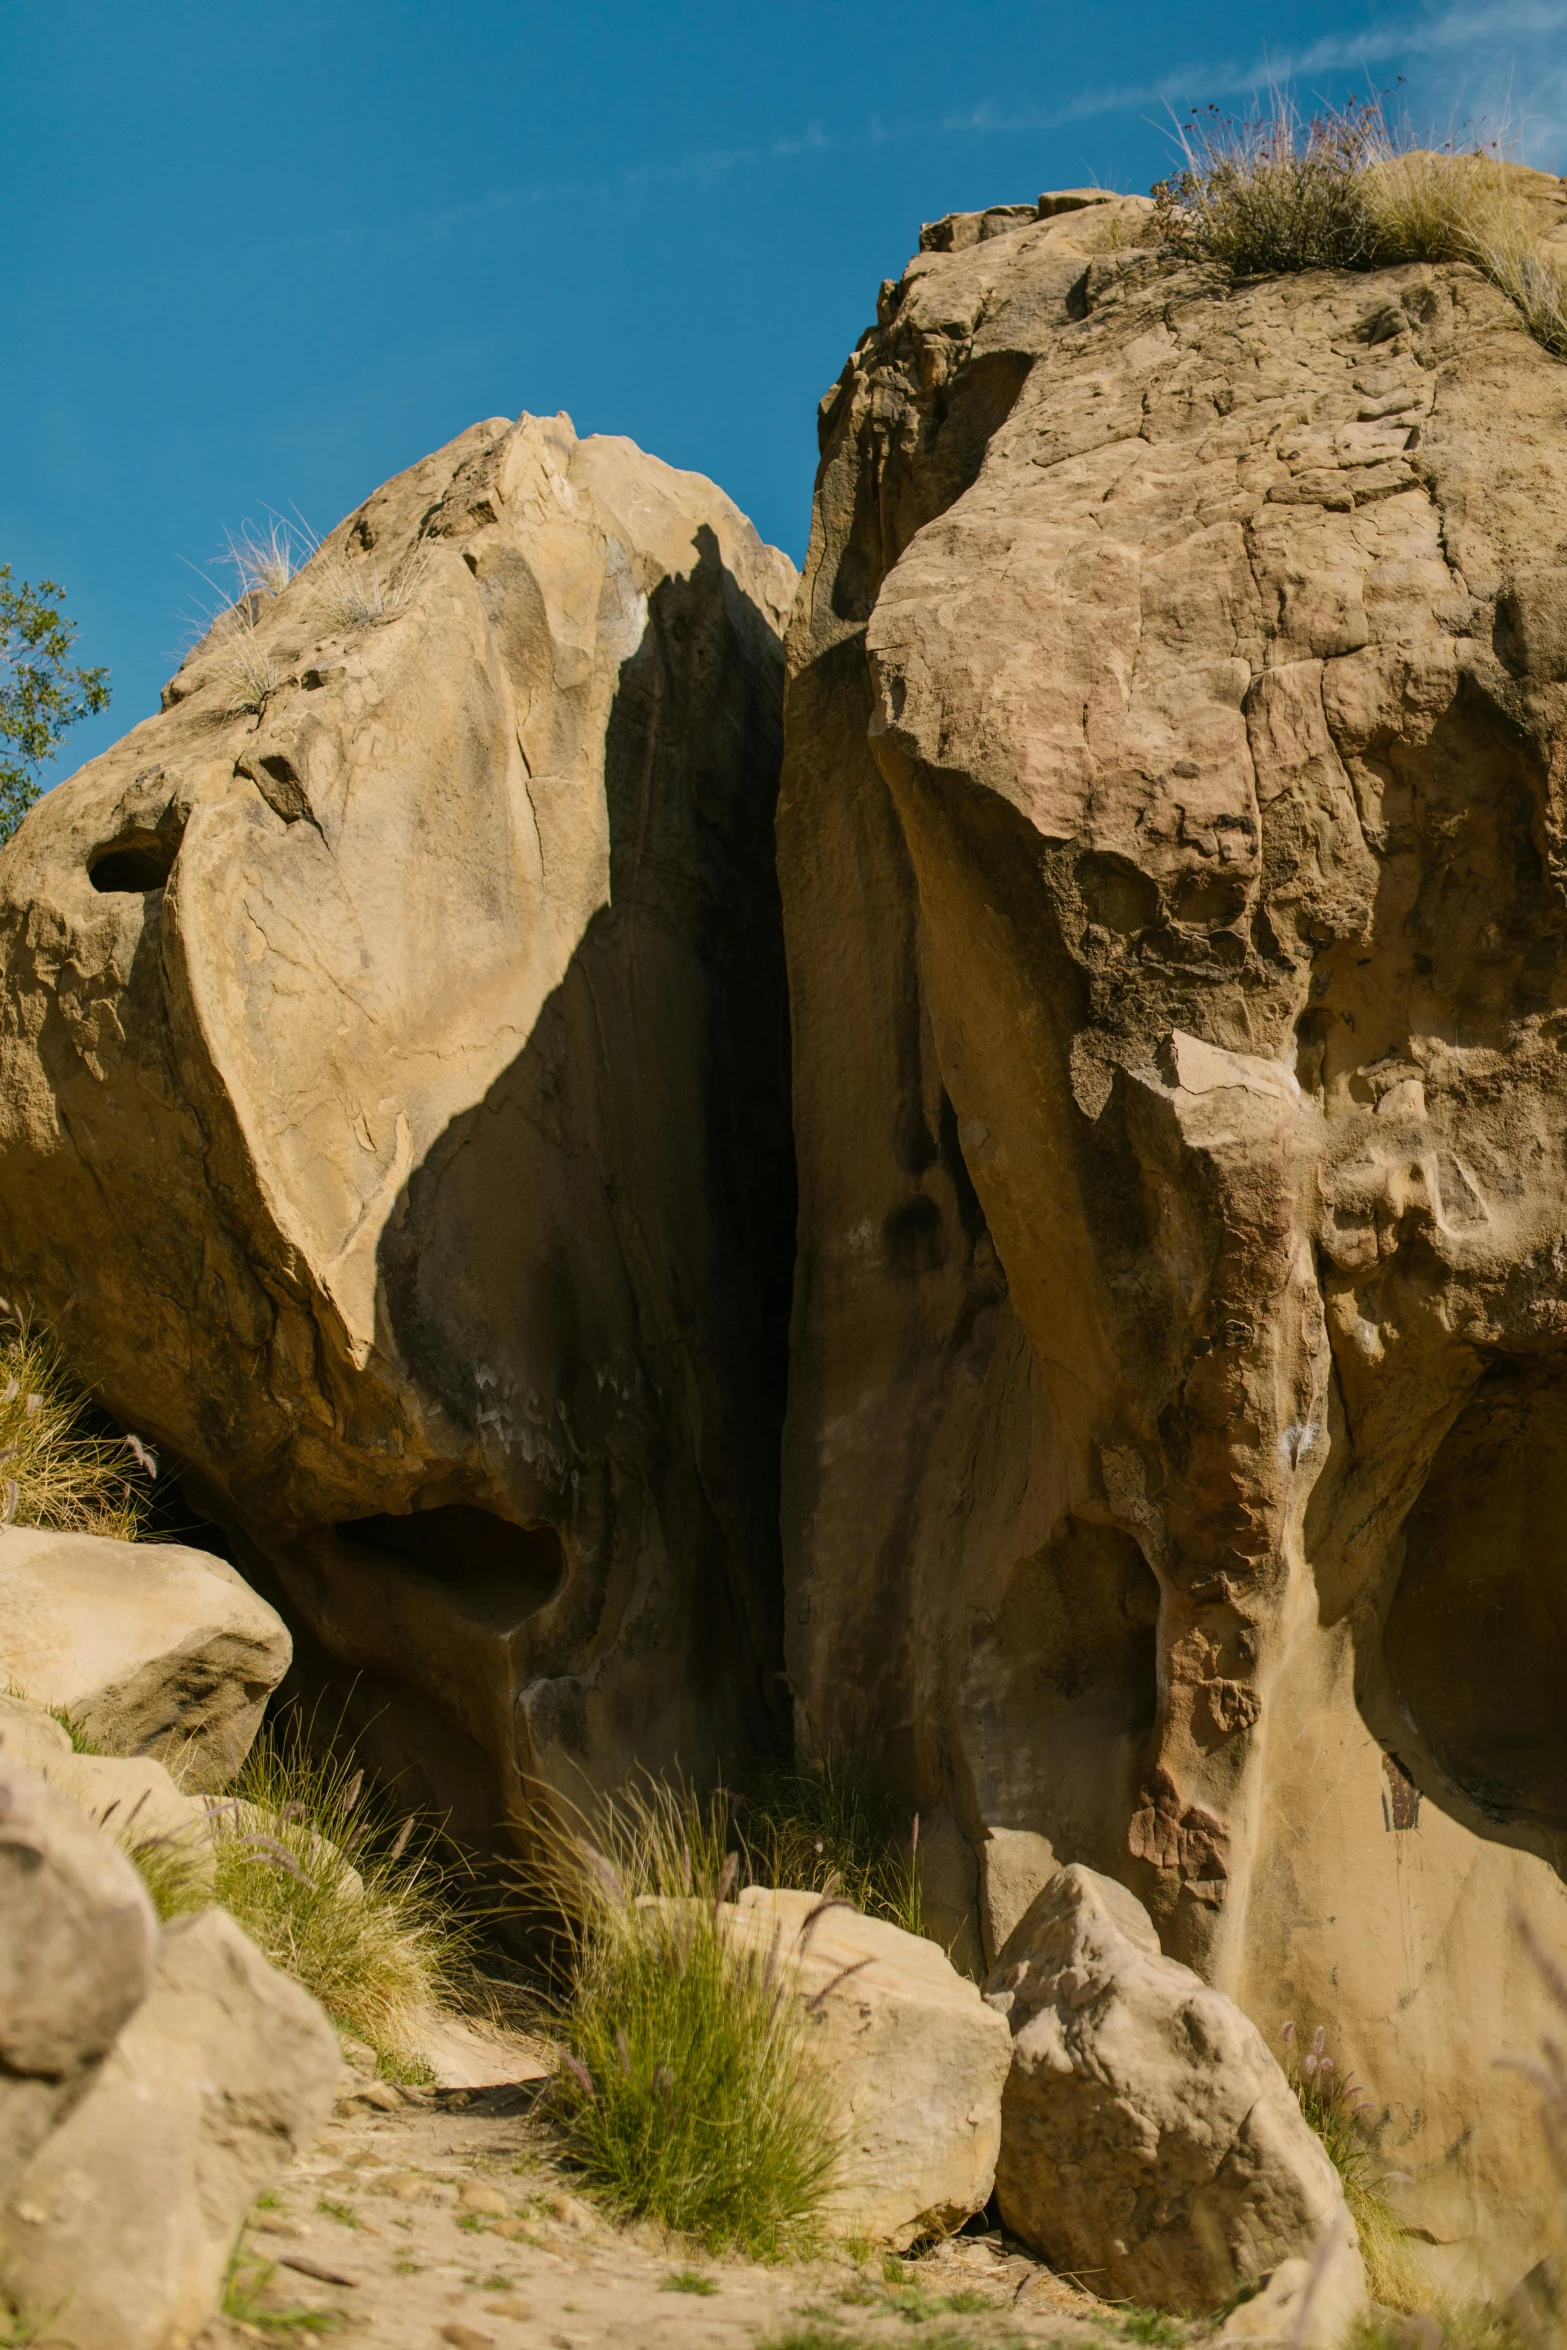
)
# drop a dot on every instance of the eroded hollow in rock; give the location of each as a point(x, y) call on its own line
point(1476, 1638)
point(489, 1565)
point(1070, 1649)
point(135, 863)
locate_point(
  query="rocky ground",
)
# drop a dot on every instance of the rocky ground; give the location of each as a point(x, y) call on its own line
point(422, 2218)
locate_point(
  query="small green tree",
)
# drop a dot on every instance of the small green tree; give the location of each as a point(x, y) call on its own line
point(41, 695)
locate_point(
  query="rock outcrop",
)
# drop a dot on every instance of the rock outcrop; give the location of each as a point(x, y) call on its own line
point(914, 2058)
point(120, 2229)
point(153, 1648)
point(1174, 854)
point(132, 1798)
point(393, 1107)
point(1149, 2143)
point(78, 1948)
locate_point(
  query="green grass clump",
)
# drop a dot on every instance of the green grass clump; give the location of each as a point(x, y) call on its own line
point(1276, 193)
point(1273, 193)
point(686, 2093)
point(1333, 2101)
point(249, 2298)
point(820, 1827)
point(688, 2280)
point(55, 1471)
point(334, 1889)
point(1151, 2325)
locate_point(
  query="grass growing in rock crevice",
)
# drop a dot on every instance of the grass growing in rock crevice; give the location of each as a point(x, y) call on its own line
point(686, 2093)
point(1277, 192)
point(56, 1470)
point(1333, 2101)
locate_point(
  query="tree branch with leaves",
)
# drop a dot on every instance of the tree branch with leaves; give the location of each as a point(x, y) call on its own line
point(41, 694)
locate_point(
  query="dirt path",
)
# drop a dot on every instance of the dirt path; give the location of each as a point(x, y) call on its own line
point(438, 2220)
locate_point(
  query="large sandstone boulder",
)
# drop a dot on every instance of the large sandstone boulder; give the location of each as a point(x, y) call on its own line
point(121, 2227)
point(393, 1107)
point(913, 2056)
point(78, 1945)
point(1172, 842)
point(153, 1648)
point(1149, 2143)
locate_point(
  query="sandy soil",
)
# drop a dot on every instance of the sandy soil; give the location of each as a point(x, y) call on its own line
point(431, 2218)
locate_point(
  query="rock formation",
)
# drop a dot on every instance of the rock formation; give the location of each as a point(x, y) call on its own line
point(914, 2058)
point(1149, 2143)
point(151, 2085)
point(1174, 858)
point(77, 1955)
point(151, 1648)
point(393, 1107)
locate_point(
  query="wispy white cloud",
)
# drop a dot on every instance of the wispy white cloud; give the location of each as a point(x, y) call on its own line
point(1488, 57)
point(1481, 30)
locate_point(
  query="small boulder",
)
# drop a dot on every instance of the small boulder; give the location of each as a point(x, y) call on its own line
point(78, 1944)
point(132, 1798)
point(122, 2224)
point(1303, 2304)
point(1150, 2143)
point(915, 2058)
point(154, 1648)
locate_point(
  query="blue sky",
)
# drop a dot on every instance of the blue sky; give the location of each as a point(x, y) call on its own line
point(261, 257)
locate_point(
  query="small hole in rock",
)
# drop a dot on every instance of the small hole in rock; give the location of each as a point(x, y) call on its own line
point(134, 864)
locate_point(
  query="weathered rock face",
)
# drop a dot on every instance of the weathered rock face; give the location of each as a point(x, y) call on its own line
point(121, 2227)
point(152, 1647)
point(393, 1101)
point(1149, 2142)
point(132, 1798)
point(78, 1946)
point(914, 2056)
point(1176, 902)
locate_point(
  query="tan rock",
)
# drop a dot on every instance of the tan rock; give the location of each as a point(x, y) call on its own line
point(152, 1647)
point(132, 1798)
point(136, 1803)
point(1015, 1865)
point(78, 1944)
point(1150, 2145)
point(122, 2224)
point(913, 2055)
point(1306, 2304)
point(31, 1736)
point(1174, 881)
point(393, 1087)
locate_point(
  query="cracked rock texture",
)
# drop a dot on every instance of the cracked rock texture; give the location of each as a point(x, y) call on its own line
point(1174, 849)
point(1148, 2139)
point(393, 1107)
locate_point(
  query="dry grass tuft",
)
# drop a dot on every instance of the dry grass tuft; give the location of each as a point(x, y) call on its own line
point(54, 1471)
point(1278, 192)
point(247, 670)
point(263, 562)
point(686, 2094)
point(1474, 208)
point(358, 592)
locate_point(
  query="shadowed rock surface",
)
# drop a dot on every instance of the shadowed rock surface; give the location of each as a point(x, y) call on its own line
point(393, 1107)
point(1172, 842)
